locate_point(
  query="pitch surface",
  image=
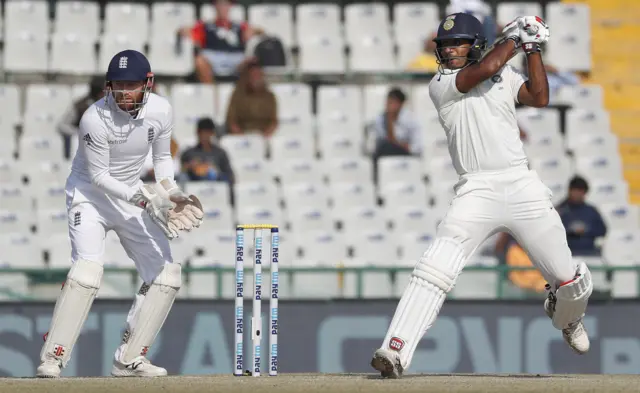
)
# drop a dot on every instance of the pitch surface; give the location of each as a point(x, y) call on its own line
point(325, 383)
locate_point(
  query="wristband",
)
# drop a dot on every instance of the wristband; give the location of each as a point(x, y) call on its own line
point(531, 47)
point(515, 39)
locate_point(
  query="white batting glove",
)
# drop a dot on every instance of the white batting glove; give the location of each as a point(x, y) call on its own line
point(533, 33)
point(188, 207)
point(512, 30)
point(155, 201)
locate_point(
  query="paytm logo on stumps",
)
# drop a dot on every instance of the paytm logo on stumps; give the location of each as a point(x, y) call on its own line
point(274, 321)
point(258, 286)
point(256, 360)
point(274, 357)
point(274, 285)
point(239, 356)
point(239, 319)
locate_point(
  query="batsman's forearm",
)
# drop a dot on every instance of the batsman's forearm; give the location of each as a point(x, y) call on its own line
point(500, 55)
point(538, 83)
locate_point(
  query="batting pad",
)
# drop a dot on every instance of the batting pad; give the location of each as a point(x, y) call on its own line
point(432, 278)
point(71, 310)
point(148, 313)
point(572, 298)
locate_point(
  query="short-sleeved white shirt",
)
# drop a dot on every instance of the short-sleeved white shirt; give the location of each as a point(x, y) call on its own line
point(481, 127)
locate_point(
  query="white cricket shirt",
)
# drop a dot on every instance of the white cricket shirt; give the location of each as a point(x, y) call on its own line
point(481, 127)
point(113, 146)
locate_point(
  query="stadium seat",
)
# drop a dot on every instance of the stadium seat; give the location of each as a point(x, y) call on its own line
point(114, 253)
point(595, 143)
point(210, 193)
point(533, 120)
point(34, 149)
point(26, 53)
point(406, 218)
point(372, 54)
point(340, 108)
point(275, 19)
point(44, 172)
point(239, 146)
point(355, 170)
point(407, 52)
point(338, 144)
point(19, 250)
point(218, 246)
point(585, 121)
point(365, 19)
point(51, 221)
point(30, 16)
point(261, 213)
point(10, 173)
point(217, 217)
point(73, 54)
point(544, 142)
point(599, 166)
point(294, 103)
point(290, 145)
point(10, 101)
point(113, 43)
point(305, 194)
point(557, 168)
point(314, 285)
point(621, 248)
point(620, 216)
point(49, 195)
point(78, 18)
point(208, 13)
point(434, 144)
point(414, 21)
point(371, 248)
point(167, 60)
point(322, 55)
point(347, 194)
point(508, 11)
point(317, 20)
point(563, 16)
point(224, 92)
point(251, 169)
point(403, 194)
point(477, 285)
point(168, 18)
point(608, 190)
point(356, 219)
point(309, 218)
point(48, 98)
point(413, 244)
point(440, 169)
point(402, 169)
point(299, 170)
point(257, 194)
point(190, 103)
point(127, 19)
point(583, 96)
point(58, 249)
point(13, 196)
point(559, 190)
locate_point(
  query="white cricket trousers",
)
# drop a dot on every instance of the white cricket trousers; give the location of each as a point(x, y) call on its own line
point(514, 201)
point(92, 214)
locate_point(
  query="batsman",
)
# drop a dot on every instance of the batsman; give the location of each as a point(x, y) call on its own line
point(103, 193)
point(475, 94)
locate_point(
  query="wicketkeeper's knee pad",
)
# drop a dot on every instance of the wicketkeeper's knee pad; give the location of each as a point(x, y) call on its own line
point(149, 311)
point(572, 298)
point(71, 310)
point(441, 264)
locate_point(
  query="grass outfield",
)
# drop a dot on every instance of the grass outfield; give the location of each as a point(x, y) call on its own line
point(326, 383)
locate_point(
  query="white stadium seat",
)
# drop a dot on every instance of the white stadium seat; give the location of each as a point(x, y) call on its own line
point(51, 221)
point(508, 11)
point(34, 148)
point(309, 218)
point(127, 19)
point(191, 102)
point(620, 216)
point(275, 19)
point(15, 197)
point(294, 102)
point(622, 248)
point(251, 170)
point(237, 13)
point(374, 100)
point(242, 146)
point(290, 145)
point(599, 166)
point(217, 218)
point(407, 52)
point(322, 55)
point(299, 170)
point(534, 119)
point(339, 145)
point(257, 194)
point(26, 16)
point(166, 59)
point(15, 221)
point(440, 169)
point(20, 250)
point(415, 21)
point(585, 121)
point(582, 96)
point(210, 193)
point(340, 107)
point(47, 98)
point(305, 194)
point(324, 246)
point(403, 194)
point(411, 218)
point(167, 18)
point(73, 54)
point(544, 142)
point(563, 17)
point(10, 104)
point(414, 244)
point(78, 18)
point(595, 143)
point(50, 195)
point(608, 190)
point(224, 90)
point(346, 195)
point(26, 52)
point(113, 43)
point(261, 213)
point(317, 20)
point(371, 54)
point(10, 173)
point(355, 169)
point(361, 218)
point(365, 19)
point(401, 169)
point(478, 285)
point(557, 168)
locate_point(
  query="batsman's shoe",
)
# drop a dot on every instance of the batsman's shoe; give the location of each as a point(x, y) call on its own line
point(575, 335)
point(50, 368)
point(140, 367)
point(388, 363)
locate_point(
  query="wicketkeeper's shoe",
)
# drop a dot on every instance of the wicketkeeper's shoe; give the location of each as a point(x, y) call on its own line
point(139, 367)
point(575, 335)
point(388, 363)
point(50, 368)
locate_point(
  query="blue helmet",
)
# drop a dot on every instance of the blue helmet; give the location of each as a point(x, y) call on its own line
point(461, 26)
point(129, 66)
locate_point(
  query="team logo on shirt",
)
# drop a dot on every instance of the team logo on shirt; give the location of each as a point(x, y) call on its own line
point(150, 134)
point(77, 218)
point(496, 79)
point(87, 138)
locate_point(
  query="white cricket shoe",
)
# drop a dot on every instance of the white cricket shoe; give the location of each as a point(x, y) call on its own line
point(139, 367)
point(575, 335)
point(50, 368)
point(388, 363)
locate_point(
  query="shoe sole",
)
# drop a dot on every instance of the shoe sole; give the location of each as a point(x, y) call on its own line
point(385, 367)
point(47, 376)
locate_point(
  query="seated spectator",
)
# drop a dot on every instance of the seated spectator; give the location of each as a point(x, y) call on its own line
point(425, 61)
point(252, 106)
point(581, 220)
point(207, 160)
point(68, 125)
point(512, 254)
point(397, 132)
point(220, 43)
point(148, 174)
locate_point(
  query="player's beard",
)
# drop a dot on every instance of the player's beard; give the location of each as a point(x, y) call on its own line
point(128, 101)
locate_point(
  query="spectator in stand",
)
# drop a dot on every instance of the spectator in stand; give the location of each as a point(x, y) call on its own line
point(68, 125)
point(253, 106)
point(582, 221)
point(207, 160)
point(220, 44)
point(396, 131)
point(425, 61)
